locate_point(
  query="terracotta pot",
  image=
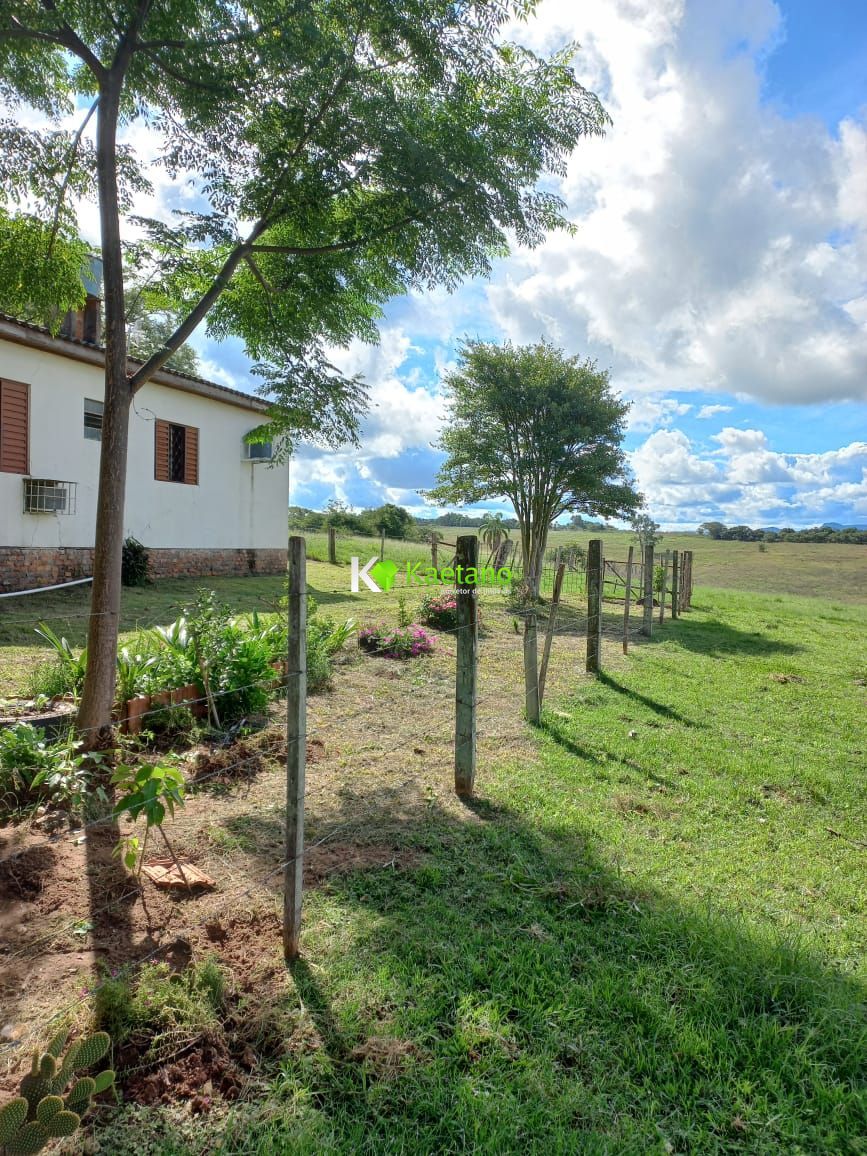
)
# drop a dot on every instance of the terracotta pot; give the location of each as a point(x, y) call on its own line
point(136, 708)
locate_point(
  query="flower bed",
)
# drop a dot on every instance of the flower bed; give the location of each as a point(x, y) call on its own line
point(395, 642)
point(440, 610)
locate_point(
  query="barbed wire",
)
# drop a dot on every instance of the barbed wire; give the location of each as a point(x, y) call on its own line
point(373, 748)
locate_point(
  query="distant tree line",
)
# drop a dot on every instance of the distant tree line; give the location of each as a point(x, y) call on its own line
point(394, 520)
point(721, 532)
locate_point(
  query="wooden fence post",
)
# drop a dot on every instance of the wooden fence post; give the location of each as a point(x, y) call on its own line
point(627, 599)
point(689, 582)
point(549, 633)
point(381, 544)
point(466, 676)
point(332, 545)
point(433, 554)
point(647, 575)
point(675, 584)
point(594, 604)
point(664, 587)
point(531, 668)
point(296, 748)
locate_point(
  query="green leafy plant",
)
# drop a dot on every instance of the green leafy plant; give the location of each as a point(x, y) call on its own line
point(47, 1106)
point(134, 673)
point(24, 753)
point(154, 1005)
point(34, 769)
point(134, 564)
point(658, 579)
point(48, 681)
point(150, 792)
point(404, 618)
point(73, 667)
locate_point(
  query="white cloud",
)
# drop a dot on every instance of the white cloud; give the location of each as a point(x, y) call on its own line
point(403, 413)
point(648, 412)
point(747, 481)
point(703, 257)
point(709, 411)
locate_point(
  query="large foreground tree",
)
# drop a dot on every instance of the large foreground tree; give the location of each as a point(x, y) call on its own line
point(544, 430)
point(331, 153)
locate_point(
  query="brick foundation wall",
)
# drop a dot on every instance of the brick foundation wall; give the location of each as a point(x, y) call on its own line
point(26, 567)
point(202, 563)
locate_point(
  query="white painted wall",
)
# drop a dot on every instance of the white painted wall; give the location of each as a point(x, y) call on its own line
point(236, 505)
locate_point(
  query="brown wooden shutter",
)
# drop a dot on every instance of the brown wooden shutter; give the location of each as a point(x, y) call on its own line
point(191, 456)
point(14, 426)
point(161, 450)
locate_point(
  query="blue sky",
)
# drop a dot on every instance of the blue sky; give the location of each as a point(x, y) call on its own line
point(719, 270)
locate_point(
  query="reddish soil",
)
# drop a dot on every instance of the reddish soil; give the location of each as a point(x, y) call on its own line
point(69, 912)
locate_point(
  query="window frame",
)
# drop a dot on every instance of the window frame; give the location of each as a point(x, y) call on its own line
point(93, 433)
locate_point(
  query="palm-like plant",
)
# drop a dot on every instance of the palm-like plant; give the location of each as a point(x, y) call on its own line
point(493, 532)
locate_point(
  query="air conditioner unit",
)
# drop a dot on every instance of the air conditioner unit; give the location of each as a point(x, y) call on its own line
point(258, 452)
point(49, 496)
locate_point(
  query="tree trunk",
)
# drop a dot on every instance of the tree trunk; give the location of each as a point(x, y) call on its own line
point(94, 715)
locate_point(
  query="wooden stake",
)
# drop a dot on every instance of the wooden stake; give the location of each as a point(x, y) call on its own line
point(549, 633)
point(332, 545)
point(531, 668)
point(466, 675)
point(627, 599)
point(296, 748)
point(594, 605)
point(664, 586)
point(433, 554)
point(675, 584)
point(647, 575)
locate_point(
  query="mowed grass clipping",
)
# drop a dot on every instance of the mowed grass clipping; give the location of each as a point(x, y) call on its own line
point(648, 937)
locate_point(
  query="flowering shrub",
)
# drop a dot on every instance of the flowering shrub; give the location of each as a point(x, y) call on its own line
point(395, 642)
point(439, 610)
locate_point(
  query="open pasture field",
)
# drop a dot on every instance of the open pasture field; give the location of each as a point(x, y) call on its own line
point(813, 570)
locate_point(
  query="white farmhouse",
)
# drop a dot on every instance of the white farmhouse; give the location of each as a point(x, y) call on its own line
point(200, 499)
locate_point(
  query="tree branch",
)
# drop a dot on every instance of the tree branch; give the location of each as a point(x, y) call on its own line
point(73, 149)
point(19, 31)
point(197, 314)
point(70, 39)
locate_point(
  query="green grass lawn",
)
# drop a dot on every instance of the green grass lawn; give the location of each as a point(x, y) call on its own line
point(646, 936)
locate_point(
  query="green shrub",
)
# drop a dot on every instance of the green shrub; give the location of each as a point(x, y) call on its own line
point(69, 667)
point(157, 1003)
point(24, 753)
point(134, 564)
point(439, 610)
point(34, 770)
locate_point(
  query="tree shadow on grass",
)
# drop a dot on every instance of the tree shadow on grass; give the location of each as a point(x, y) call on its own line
point(718, 639)
point(658, 708)
point(541, 1002)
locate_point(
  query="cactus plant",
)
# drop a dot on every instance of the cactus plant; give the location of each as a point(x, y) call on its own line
point(45, 1109)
